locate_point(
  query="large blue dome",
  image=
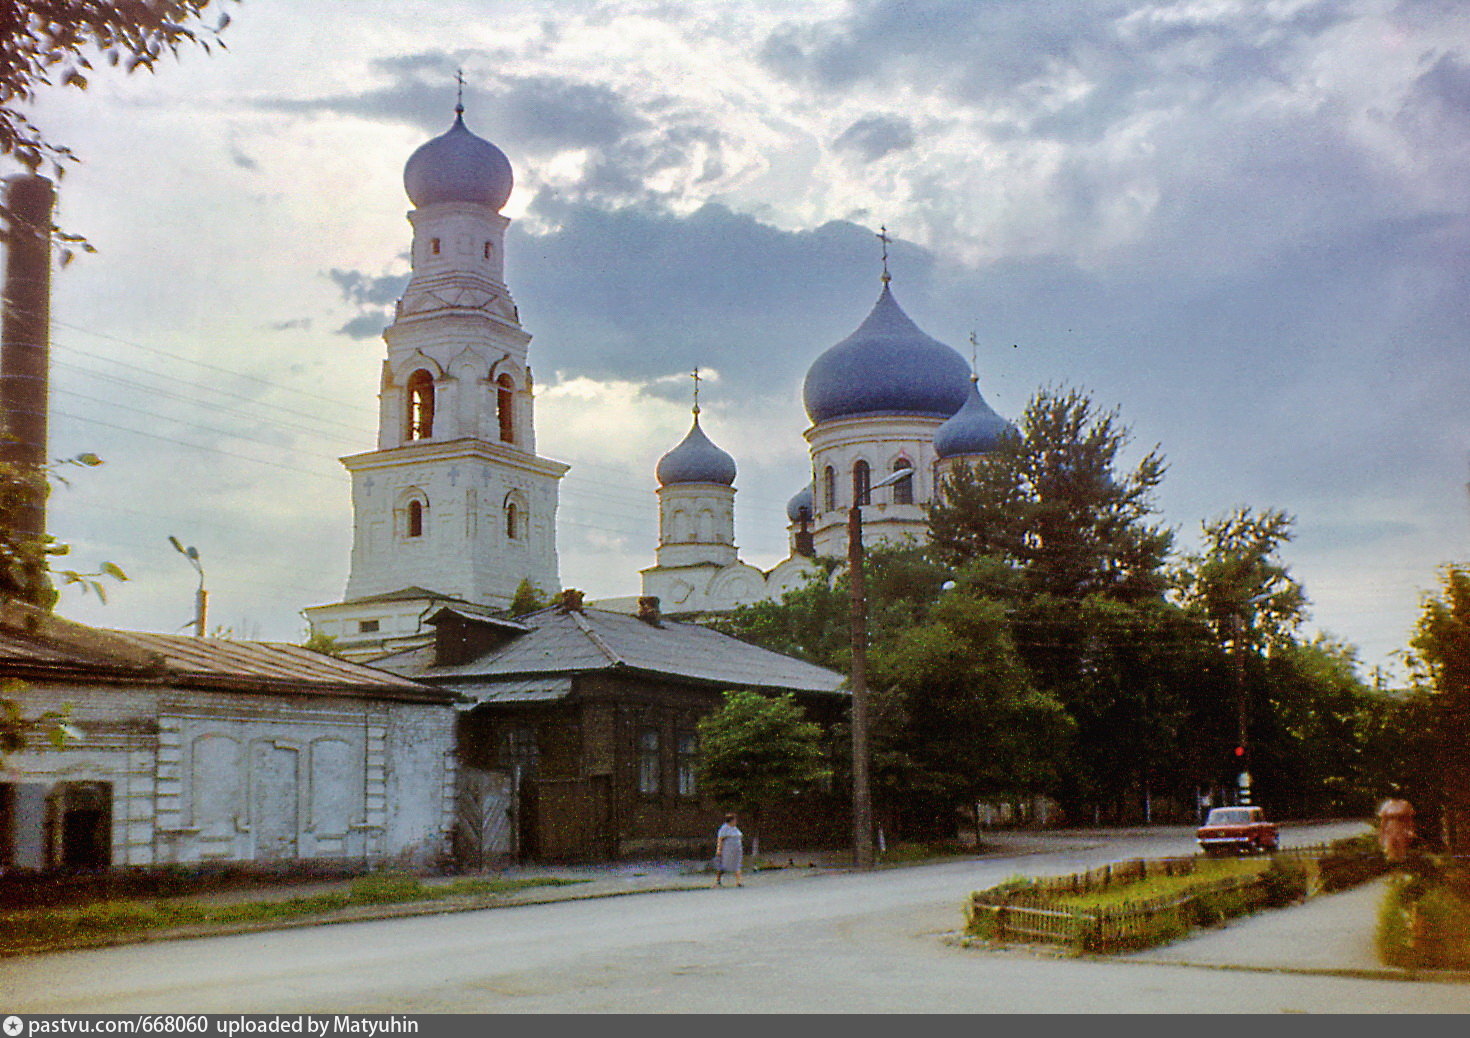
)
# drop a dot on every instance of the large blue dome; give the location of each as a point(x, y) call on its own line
point(457, 166)
point(973, 429)
point(887, 366)
point(696, 460)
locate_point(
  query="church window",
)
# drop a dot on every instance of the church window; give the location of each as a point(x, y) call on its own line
point(505, 408)
point(829, 489)
point(487, 250)
point(512, 520)
point(903, 490)
point(650, 771)
point(688, 748)
point(420, 405)
point(862, 480)
point(367, 627)
point(415, 519)
point(434, 246)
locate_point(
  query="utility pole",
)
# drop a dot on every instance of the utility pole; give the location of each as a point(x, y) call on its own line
point(862, 796)
point(25, 338)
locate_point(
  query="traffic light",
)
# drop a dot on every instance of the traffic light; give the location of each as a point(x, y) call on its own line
point(1240, 751)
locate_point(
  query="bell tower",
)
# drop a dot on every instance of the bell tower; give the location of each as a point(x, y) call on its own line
point(454, 504)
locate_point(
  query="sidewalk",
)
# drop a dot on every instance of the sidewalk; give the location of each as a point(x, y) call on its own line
point(1331, 935)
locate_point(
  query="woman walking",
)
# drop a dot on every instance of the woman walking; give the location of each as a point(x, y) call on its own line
point(729, 851)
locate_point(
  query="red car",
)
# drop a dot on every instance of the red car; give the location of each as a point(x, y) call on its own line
point(1242, 830)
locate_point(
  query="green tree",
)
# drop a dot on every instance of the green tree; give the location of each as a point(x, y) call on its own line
point(1239, 583)
point(1052, 504)
point(959, 719)
point(1441, 643)
point(756, 751)
point(527, 599)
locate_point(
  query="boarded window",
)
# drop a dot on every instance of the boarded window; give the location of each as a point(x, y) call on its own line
point(367, 627)
point(650, 772)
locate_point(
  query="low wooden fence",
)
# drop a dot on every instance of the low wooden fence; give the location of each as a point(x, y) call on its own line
point(1032, 911)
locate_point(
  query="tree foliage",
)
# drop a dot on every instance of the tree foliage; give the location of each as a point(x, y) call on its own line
point(54, 43)
point(527, 599)
point(1239, 583)
point(964, 721)
point(26, 571)
point(758, 750)
point(1442, 645)
point(1051, 503)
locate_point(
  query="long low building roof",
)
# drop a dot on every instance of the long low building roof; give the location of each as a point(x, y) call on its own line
point(562, 641)
point(37, 646)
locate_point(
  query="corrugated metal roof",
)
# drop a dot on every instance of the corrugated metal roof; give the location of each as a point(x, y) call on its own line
point(266, 661)
point(514, 690)
point(574, 642)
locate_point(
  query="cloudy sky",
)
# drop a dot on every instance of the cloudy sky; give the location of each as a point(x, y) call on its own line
point(1243, 223)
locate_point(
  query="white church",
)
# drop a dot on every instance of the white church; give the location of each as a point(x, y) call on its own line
point(455, 507)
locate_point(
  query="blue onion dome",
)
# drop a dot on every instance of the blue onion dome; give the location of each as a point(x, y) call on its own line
point(696, 460)
point(804, 499)
point(887, 366)
point(973, 429)
point(457, 166)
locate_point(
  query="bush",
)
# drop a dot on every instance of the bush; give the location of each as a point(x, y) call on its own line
point(1424, 922)
point(1285, 882)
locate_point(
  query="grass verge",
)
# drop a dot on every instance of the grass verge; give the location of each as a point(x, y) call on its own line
point(29, 929)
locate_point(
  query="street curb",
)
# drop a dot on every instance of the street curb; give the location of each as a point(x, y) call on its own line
point(1417, 976)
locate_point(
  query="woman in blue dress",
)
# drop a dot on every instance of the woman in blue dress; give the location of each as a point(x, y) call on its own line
point(729, 851)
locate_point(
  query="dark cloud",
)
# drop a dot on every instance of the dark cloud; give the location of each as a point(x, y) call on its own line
point(1013, 56)
point(302, 324)
point(365, 326)
point(244, 161)
point(875, 136)
point(366, 289)
point(640, 293)
point(534, 113)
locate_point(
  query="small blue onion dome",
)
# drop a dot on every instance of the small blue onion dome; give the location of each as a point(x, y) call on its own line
point(887, 366)
point(973, 429)
point(696, 460)
point(457, 166)
point(804, 499)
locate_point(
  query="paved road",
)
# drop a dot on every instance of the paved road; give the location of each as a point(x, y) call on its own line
point(842, 942)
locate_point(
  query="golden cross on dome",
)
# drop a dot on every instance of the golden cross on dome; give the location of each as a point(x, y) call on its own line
point(696, 392)
point(883, 237)
point(459, 97)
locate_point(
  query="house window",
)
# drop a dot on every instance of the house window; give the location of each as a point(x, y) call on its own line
point(903, 490)
point(520, 750)
point(415, 526)
point(688, 748)
point(420, 405)
point(861, 480)
point(650, 772)
point(829, 489)
point(505, 408)
point(367, 627)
